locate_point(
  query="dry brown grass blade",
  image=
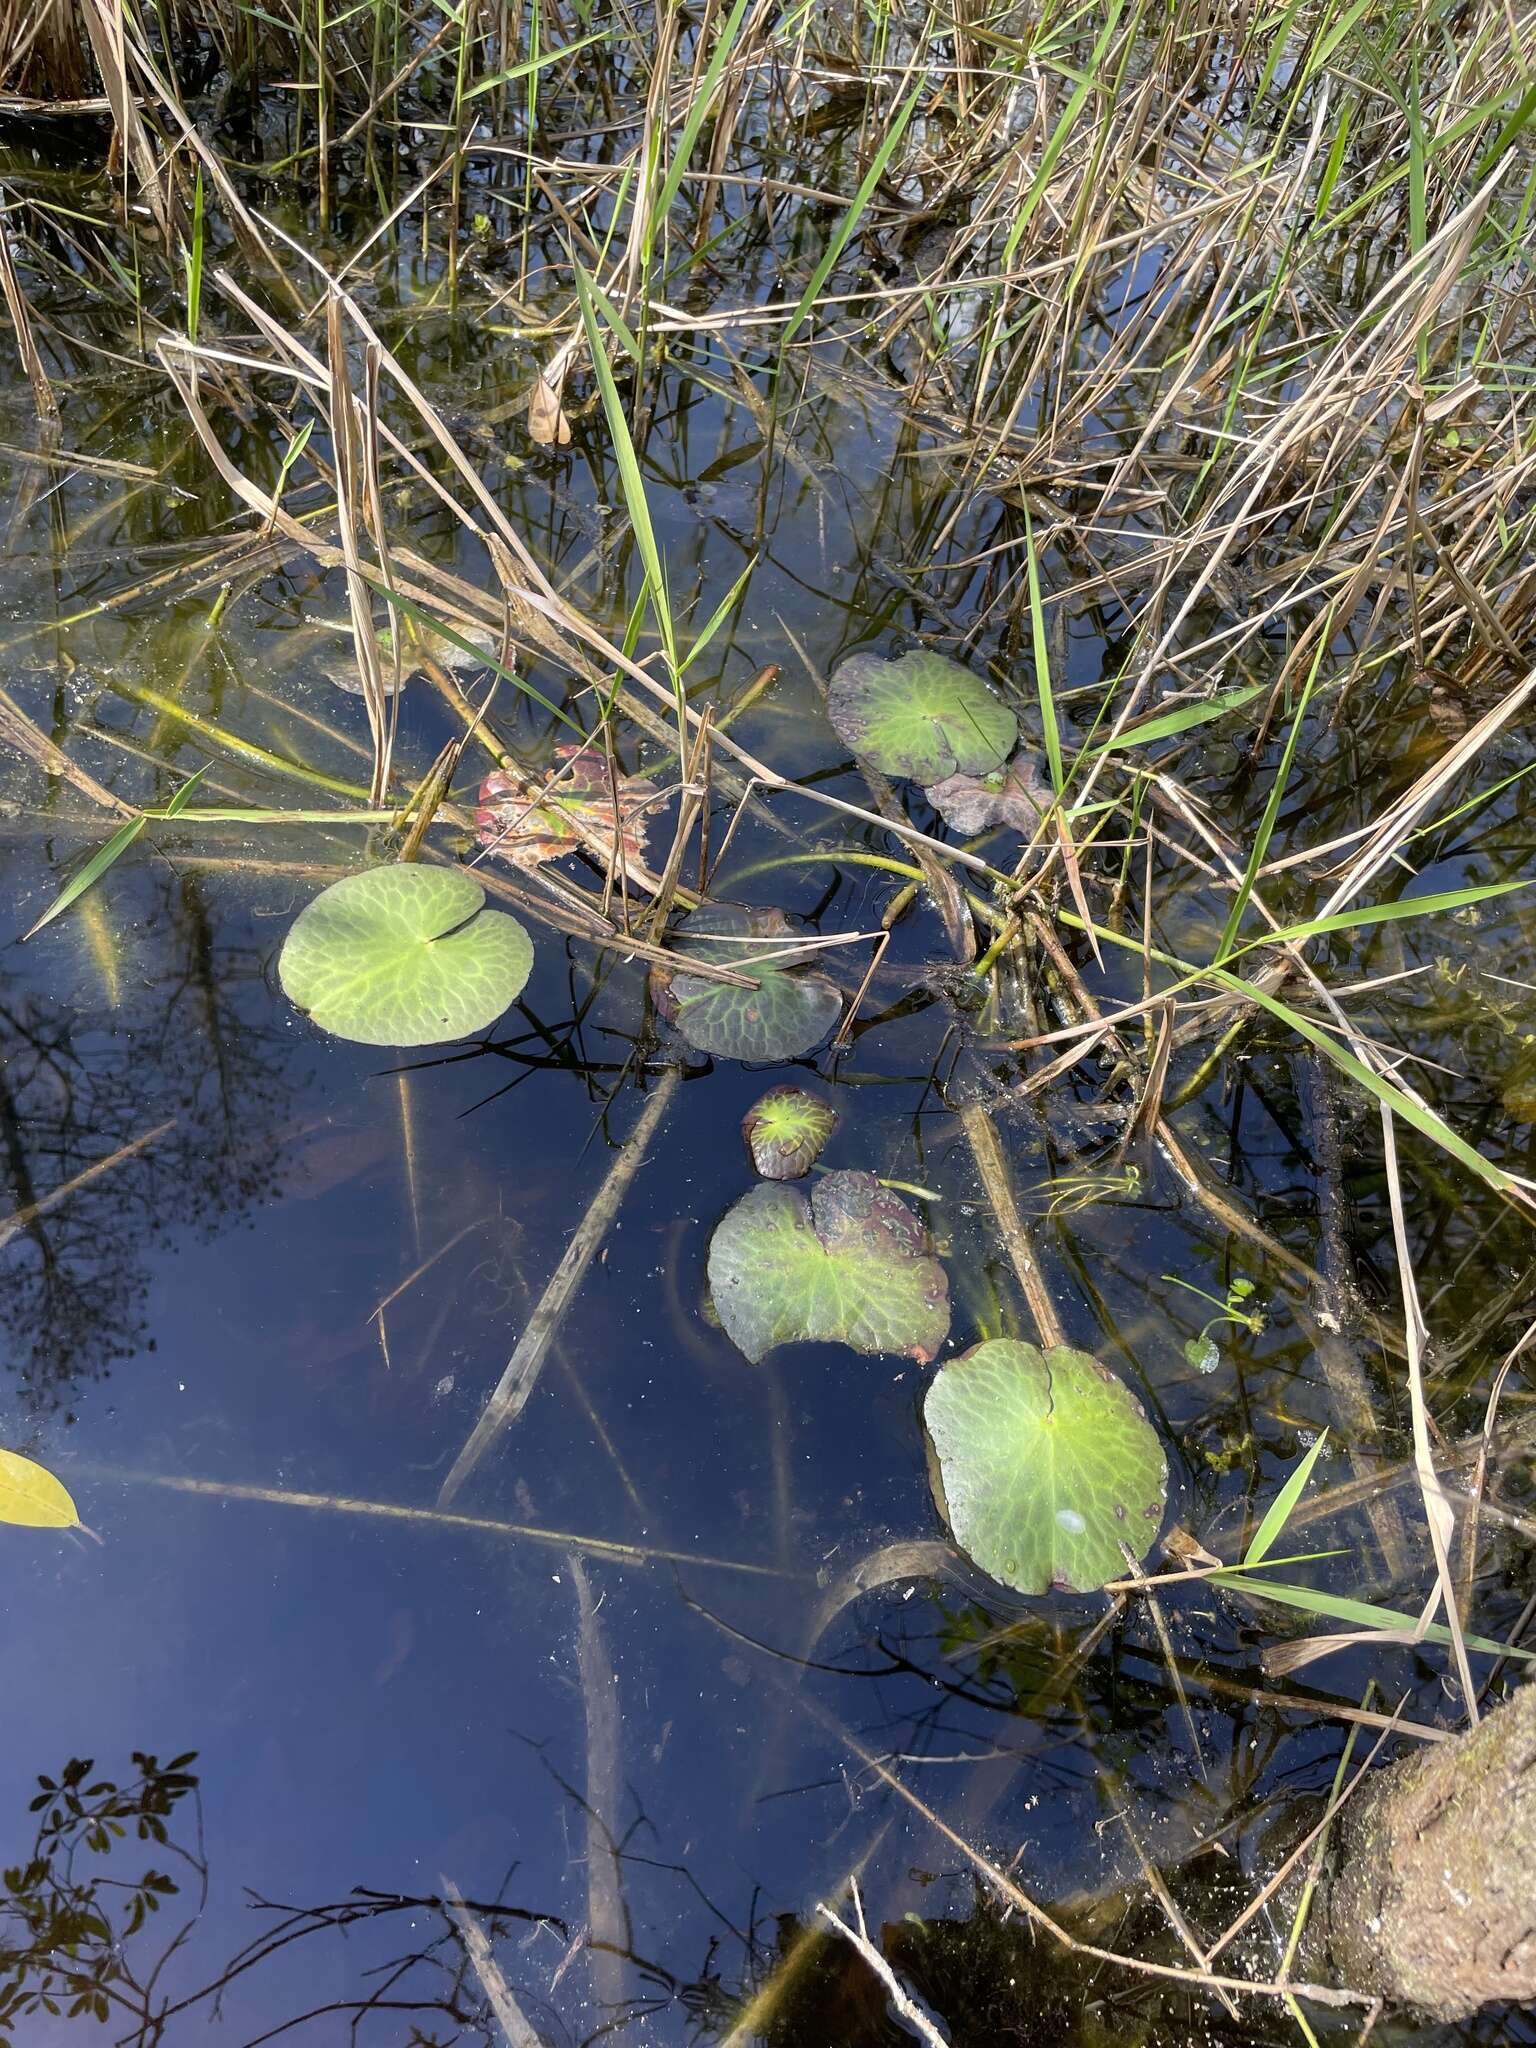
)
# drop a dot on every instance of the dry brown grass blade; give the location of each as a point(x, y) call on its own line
point(906, 2008)
point(28, 739)
point(1170, 1906)
point(1256, 1905)
point(105, 25)
point(1437, 1508)
point(1011, 1893)
point(997, 1184)
point(21, 322)
point(351, 492)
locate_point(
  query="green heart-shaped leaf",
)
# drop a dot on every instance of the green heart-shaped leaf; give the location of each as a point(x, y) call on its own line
point(1046, 1465)
point(788, 1012)
point(786, 1131)
point(404, 955)
point(851, 1266)
point(920, 715)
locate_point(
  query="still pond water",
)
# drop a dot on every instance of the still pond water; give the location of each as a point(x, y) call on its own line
point(254, 1346)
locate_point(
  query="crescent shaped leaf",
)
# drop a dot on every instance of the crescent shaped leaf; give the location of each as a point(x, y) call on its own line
point(404, 955)
point(1046, 1465)
point(791, 1009)
point(920, 716)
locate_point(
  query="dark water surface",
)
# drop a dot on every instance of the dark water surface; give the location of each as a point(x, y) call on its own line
point(383, 1698)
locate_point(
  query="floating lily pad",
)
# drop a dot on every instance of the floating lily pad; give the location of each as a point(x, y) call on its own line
point(1016, 795)
point(1046, 1465)
point(790, 1010)
point(851, 1266)
point(404, 955)
point(920, 715)
point(787, 1130)
point(528, 823)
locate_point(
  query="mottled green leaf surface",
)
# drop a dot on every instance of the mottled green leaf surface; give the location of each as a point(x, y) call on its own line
point(786, 1131)
point(851, 1266)
point(404, 955)
point(1046, 1465)
point(791, 1009)
point(920, 715)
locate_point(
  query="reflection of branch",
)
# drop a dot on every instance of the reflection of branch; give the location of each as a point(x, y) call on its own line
point(22, 1219)
point(364, 1905)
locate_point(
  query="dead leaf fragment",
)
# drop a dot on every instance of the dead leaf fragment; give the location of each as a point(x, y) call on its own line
point(1015, 795)
point(528, 823)
point(547, 421)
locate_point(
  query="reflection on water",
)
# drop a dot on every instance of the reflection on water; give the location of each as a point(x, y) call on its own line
point(630, 1706)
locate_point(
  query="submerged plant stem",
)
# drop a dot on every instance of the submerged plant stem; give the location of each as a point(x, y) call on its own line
point(437, 1518)
point(527, 1361)
point(987, 1151)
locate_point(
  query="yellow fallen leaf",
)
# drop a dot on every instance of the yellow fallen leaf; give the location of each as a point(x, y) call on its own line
point(32, 1497)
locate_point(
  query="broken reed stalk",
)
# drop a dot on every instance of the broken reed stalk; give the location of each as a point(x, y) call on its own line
point(905, 2007)
point(510, 2017)
point(601, 1547)
point(22, 1219)
point(527, 1361)
point(608, 1933)
point(21, 321)
point(997, 1184)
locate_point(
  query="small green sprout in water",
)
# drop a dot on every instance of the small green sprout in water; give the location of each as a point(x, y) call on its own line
point(1202, 1350)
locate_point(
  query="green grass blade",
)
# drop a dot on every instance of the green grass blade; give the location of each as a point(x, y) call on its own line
point(1184, 717)
point(1385, 913)
point(1358, 1613)
point(113, 851)
point(530, 65)
point(719, 615)
point(1282, 776)
point(1267, 1534)
point(1043, 689)
point(631, 482)
point(1423, 1119)
point(192, 257)
point(854, 213)
point(420, 616)
point(682, 154)
point(1061, 134)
